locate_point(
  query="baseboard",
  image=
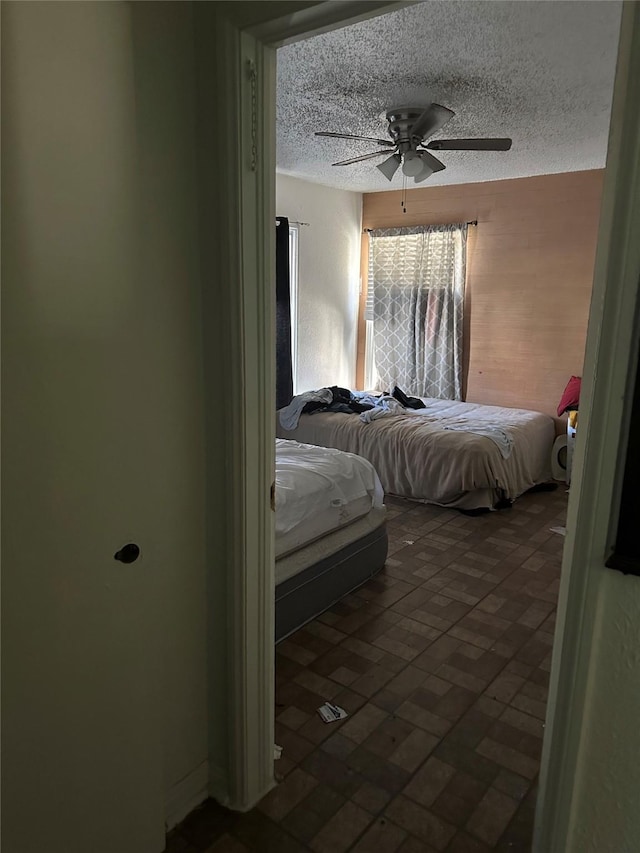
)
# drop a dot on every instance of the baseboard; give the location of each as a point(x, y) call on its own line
point(186, 795)
point(248, 804)
point(219, 785)
point(219, 791)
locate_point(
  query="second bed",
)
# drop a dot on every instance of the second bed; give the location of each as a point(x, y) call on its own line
point(330, 529)
point(453, 454)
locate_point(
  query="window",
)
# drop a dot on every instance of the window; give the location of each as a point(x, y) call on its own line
point(414, 310)
point(370, 372)
point(293, 296)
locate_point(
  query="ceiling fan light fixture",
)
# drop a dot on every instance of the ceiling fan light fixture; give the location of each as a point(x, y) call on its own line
point(412, 164)
point(426, 172)
point(390, 166)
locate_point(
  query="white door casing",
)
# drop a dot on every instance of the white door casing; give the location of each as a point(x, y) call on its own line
point(243, 103)
point(587, 587)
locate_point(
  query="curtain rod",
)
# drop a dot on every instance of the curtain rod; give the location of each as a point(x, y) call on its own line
point(471, 222)
point(293, 222)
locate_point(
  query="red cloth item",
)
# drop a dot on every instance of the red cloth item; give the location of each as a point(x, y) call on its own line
point(570, 396)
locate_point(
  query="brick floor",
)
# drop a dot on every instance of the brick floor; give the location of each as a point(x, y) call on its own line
point(442, 663)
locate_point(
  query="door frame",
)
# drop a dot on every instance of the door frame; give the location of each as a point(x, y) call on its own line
point(611, 356)
point(237, 92)
point(249, 106)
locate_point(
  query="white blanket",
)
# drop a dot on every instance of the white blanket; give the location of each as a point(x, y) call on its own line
point(312, 480)
point(500, 437)
point(386, 407)
point(383, 407)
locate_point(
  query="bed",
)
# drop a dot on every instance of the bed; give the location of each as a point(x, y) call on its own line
point(330, 529)
point(449, 453)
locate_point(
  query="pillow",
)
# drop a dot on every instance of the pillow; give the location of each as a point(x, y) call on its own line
point(570, 396)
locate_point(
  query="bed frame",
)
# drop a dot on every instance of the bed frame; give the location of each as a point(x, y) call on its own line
point(311, 591)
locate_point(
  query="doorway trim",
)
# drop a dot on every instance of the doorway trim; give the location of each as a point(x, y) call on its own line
point(244, 74)
point(611, 354)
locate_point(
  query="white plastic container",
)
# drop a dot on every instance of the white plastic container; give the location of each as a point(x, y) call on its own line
point(572, 426)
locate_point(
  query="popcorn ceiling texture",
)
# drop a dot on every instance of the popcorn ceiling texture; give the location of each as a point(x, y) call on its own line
point(539, 72)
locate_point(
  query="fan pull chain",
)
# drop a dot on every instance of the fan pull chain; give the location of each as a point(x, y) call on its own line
point(403, 200)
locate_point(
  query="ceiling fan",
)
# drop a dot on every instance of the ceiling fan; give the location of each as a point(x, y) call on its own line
point(409, 128)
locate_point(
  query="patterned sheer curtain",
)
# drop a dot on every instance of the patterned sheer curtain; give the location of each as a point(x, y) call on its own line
point(415, 299)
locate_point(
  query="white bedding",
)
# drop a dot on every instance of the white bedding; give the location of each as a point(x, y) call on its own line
point(292, 564)
point(428, 455)
point(319, 490)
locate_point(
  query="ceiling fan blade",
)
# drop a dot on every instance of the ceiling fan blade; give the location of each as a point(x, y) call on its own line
point(431, 121)
point(358, 159)
point(351, 136)
point(470, 144)
point(432, 162)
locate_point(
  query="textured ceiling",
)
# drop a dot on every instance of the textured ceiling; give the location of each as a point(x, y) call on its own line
point(539, 72)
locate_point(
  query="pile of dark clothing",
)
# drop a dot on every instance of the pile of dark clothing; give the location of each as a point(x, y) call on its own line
point(348, 403)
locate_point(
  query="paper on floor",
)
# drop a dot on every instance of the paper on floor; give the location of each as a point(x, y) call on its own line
point(330, 713)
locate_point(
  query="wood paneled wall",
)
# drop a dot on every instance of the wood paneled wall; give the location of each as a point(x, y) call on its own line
point(529, 273)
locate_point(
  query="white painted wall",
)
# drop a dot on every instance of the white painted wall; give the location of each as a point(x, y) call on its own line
point(605, 814)
point(329, 275)
point(69, 68)
point(165, 80)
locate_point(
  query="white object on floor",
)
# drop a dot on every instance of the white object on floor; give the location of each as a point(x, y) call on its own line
point(561, 530)
point(572, 424)
point(559, 459)
point(330, 713)
point(277, 752)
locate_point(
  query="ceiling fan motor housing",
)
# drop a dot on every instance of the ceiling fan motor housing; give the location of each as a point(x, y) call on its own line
point(401, 120)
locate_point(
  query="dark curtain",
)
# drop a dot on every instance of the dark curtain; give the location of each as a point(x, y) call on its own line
point(284, 367)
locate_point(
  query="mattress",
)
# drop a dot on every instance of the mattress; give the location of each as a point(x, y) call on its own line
point(331, 543)
point(417, 456)
point(316, 576)
point(319, 490)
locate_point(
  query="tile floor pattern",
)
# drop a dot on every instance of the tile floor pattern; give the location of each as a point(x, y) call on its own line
point(442, 662)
